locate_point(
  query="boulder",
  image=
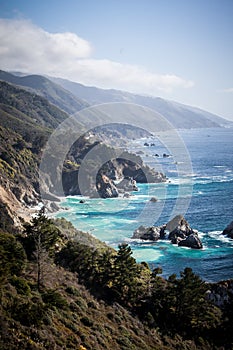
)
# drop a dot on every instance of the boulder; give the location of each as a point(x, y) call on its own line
point(179, 233)
point(162, 231)
point(152, 233)
point(147, 233)
point(127, 184)
point(178, 227)
point(228, 230)
point(182, 234)
point(192, 241)
point(126, 195)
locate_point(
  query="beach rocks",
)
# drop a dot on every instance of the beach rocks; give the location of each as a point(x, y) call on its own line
point(228, 230)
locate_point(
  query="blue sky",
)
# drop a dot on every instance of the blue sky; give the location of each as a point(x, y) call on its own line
point(178, 50)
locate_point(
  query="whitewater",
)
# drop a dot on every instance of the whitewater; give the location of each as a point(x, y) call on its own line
point(207, 194)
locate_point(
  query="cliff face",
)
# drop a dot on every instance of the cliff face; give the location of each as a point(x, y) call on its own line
point(102, 167)
point(18, 176)
point(25, 125)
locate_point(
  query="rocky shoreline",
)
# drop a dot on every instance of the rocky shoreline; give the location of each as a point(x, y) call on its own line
point(106, 179)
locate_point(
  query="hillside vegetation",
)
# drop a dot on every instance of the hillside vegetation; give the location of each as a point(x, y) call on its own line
point(44, 87)
point(59, 292)
point(26, 122)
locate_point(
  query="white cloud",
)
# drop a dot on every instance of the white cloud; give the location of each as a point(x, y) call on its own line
point(228, 91)
point(28, 48)
point(25, 46)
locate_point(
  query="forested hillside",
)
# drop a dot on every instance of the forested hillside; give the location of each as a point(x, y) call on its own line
point(62, 289)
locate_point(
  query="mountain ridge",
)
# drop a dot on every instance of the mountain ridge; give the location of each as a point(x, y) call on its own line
point(181, 116)
point(44, 87)
point(73, 97)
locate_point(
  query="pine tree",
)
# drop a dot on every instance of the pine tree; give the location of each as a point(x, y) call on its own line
point(125, 275)
point(40, 238)
point(192, 312)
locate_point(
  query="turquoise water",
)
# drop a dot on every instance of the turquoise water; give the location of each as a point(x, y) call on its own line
point(204, 196)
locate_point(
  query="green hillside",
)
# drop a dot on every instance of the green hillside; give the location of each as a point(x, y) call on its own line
point(26, 121)
point(44, 87)
point(76, 293)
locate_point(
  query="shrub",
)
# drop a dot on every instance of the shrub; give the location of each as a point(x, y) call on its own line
point(53, 298)
point(12, 256)
point(86, 321)
point(72, 291)
point(21, 285)
point(28, 313)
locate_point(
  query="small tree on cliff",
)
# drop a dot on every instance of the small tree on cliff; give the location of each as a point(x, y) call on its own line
point(40, 238)
point(125, 275)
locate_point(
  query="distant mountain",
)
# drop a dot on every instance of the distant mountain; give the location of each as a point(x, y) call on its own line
point(73, 97)
point(179, 115)
point(44, 87)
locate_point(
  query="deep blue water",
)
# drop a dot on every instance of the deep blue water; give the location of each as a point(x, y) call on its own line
point(205, 198)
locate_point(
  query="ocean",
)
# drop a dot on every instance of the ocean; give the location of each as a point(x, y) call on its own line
point(201, 191)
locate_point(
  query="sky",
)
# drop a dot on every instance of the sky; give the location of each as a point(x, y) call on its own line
point(181, 50)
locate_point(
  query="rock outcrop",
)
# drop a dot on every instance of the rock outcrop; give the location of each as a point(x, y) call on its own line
point(192, 241)
point(228, 230)
point(127, 184)
point(106, 188)
point(221, 293)
point(151, 233)
point(178, 230)
point(129, 169)
point(178, 227)
point(182, 234)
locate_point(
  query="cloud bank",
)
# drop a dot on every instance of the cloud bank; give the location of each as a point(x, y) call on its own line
point(30, 49)
point(228, 91)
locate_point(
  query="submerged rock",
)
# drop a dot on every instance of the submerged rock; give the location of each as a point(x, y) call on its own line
point(228, 230)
